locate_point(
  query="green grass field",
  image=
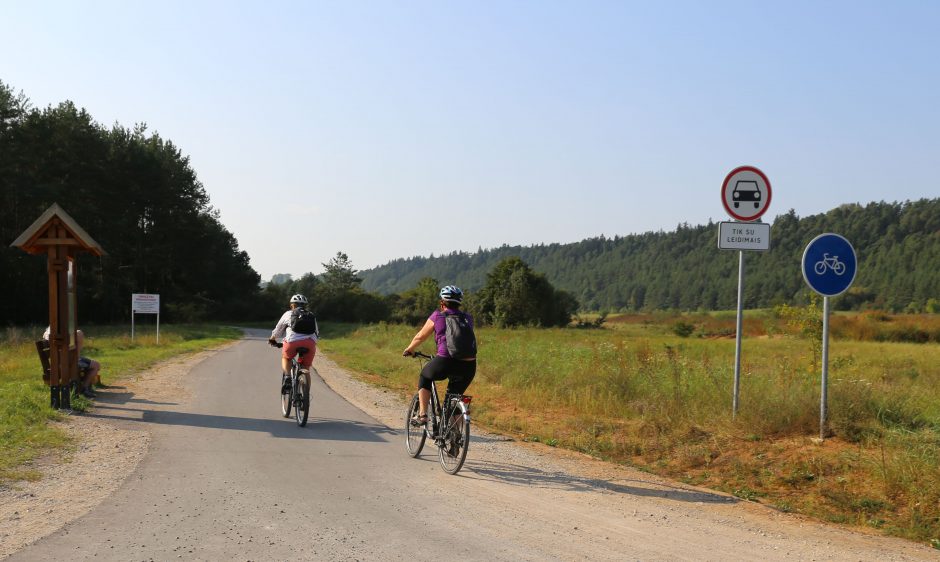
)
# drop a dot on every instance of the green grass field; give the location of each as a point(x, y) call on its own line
point(637, 393)
point(25, 433)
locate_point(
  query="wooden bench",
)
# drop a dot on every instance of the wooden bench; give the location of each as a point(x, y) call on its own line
point(42, 348)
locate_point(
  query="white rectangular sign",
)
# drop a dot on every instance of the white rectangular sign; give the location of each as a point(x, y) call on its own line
point(145, 304)
point(744, 236)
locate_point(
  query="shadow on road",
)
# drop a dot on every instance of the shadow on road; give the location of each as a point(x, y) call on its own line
point(111, 397)
point(518, 475)
point(317, 428)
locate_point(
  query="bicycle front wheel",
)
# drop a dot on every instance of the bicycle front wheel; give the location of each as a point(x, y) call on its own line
point(302, 399)
point(286, 398)
point(453, 450)
point(414, 431)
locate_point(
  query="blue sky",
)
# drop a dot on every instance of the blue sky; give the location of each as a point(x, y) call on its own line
point(394, 129)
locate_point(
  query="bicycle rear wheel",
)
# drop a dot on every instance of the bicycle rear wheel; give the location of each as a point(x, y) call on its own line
point(286, 398)
point(456, 440)
point(302, 398)
point(414, 432)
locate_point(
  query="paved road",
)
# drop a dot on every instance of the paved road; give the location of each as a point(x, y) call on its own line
point(228, 478)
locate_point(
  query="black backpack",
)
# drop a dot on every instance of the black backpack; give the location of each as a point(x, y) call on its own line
point(461, 341)
point(302, 321)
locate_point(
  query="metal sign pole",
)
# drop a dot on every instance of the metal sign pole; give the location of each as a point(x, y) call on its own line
point(158, 328)
point(132, 324)
point(829, 267)
point(737, 338)
point(823, 395)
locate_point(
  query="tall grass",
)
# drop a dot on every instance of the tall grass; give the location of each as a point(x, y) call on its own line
point(643, 395)
point(25, 432)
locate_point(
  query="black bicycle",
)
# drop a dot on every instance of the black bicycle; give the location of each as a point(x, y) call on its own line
point(448, 426)
point(295, 388)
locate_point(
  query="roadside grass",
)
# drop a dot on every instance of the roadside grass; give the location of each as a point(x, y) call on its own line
point(642, 395)
point(25, 433)
point(874, 326)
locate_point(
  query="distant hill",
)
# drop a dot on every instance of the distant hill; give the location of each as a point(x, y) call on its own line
point(898, 245)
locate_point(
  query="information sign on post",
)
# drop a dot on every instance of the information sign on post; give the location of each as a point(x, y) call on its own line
point(744, 236)
point(829, 268)
point(746, 195)
point(142, 303)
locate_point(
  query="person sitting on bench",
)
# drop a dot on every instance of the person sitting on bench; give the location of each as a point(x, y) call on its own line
point(89, 367)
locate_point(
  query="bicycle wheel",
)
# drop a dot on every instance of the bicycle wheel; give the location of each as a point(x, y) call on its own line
point(286, 398)
point(414, 432)
point(456, 441)
point(302, 399)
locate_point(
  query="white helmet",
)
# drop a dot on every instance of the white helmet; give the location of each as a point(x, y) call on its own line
point(299, 299)
point(451, 293)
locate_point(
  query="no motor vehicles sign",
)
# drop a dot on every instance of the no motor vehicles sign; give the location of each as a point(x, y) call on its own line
point(745, 193)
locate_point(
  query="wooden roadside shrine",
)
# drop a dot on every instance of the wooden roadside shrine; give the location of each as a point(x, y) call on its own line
point(61, 239)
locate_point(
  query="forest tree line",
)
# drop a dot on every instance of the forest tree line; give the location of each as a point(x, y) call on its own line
point(138, 196)
point(513, 295)
point(898, 248)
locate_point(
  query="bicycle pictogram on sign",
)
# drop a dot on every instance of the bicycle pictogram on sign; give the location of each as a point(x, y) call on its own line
point(829, 264)
point(832, 263)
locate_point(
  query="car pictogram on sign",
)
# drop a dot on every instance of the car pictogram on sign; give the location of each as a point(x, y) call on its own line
point(742, 187)
point(746, 191)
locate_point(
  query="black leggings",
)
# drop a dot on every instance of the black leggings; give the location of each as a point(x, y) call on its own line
point(459, 372)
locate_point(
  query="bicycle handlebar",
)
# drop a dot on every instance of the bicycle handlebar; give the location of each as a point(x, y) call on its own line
point(419, 354)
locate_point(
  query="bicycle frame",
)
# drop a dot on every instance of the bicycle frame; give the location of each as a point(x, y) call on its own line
point(437, 411)
point(296, 399)
point(448, 426)
point(442, 412)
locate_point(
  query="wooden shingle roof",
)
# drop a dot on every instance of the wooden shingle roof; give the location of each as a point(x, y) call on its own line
point(45, 232)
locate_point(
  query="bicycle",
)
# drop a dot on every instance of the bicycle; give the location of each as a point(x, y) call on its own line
point(448, 426)
point(296, 394)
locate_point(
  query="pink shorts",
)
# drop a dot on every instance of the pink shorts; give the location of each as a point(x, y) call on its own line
point(290, 350)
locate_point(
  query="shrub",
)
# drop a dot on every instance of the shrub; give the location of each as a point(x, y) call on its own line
point(683, 329)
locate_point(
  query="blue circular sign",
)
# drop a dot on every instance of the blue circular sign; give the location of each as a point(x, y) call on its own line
point(829, 264)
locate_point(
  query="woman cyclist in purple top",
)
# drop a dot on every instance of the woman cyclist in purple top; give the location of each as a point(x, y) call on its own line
point(443, 366)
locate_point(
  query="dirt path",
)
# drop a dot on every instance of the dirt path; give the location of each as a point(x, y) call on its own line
point(226, 477)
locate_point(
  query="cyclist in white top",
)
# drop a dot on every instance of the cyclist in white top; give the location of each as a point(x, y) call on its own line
point(296, 333)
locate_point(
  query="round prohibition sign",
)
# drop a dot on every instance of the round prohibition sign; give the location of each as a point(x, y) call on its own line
point(746, 193)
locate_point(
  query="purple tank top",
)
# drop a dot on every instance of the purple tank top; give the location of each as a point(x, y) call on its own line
point(440, 330)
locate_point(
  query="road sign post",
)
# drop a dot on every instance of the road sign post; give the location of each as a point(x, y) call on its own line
point(746, 196)
point(829, 267)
